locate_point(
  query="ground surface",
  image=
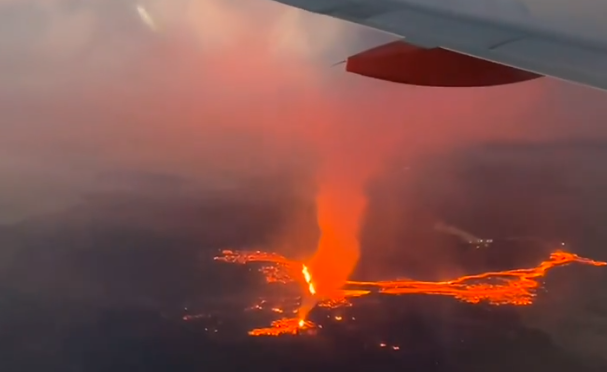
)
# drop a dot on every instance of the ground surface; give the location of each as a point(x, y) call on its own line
point(104, 286)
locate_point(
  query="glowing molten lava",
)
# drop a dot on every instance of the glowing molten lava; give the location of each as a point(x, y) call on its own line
point(286, 326)
point(515, 287)
point(511, 287)
point(308, 301)
point(308, 279)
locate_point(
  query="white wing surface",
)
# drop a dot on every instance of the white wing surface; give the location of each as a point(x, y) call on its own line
point(502, 31)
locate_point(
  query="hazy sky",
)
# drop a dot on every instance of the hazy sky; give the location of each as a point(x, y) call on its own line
point(220, 89)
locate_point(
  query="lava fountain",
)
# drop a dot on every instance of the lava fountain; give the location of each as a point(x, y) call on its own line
point(339, 213)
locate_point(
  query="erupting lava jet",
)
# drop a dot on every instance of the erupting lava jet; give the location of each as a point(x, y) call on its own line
point(472, 43)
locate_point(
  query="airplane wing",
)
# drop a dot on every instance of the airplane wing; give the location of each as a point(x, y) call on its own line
point(525, 48)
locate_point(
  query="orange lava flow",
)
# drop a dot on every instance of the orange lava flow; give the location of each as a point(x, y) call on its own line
point(285, 326)
point(514, 287)
point(279, 270)
point(509, 287)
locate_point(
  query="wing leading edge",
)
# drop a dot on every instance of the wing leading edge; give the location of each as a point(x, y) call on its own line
point(567, 59)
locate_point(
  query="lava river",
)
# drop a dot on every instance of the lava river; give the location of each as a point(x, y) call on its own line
point(509, 287)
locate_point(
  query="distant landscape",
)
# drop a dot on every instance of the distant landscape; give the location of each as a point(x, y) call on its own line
point(105, 285)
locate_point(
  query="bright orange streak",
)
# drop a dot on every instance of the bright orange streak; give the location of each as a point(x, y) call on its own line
point(308, 279)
